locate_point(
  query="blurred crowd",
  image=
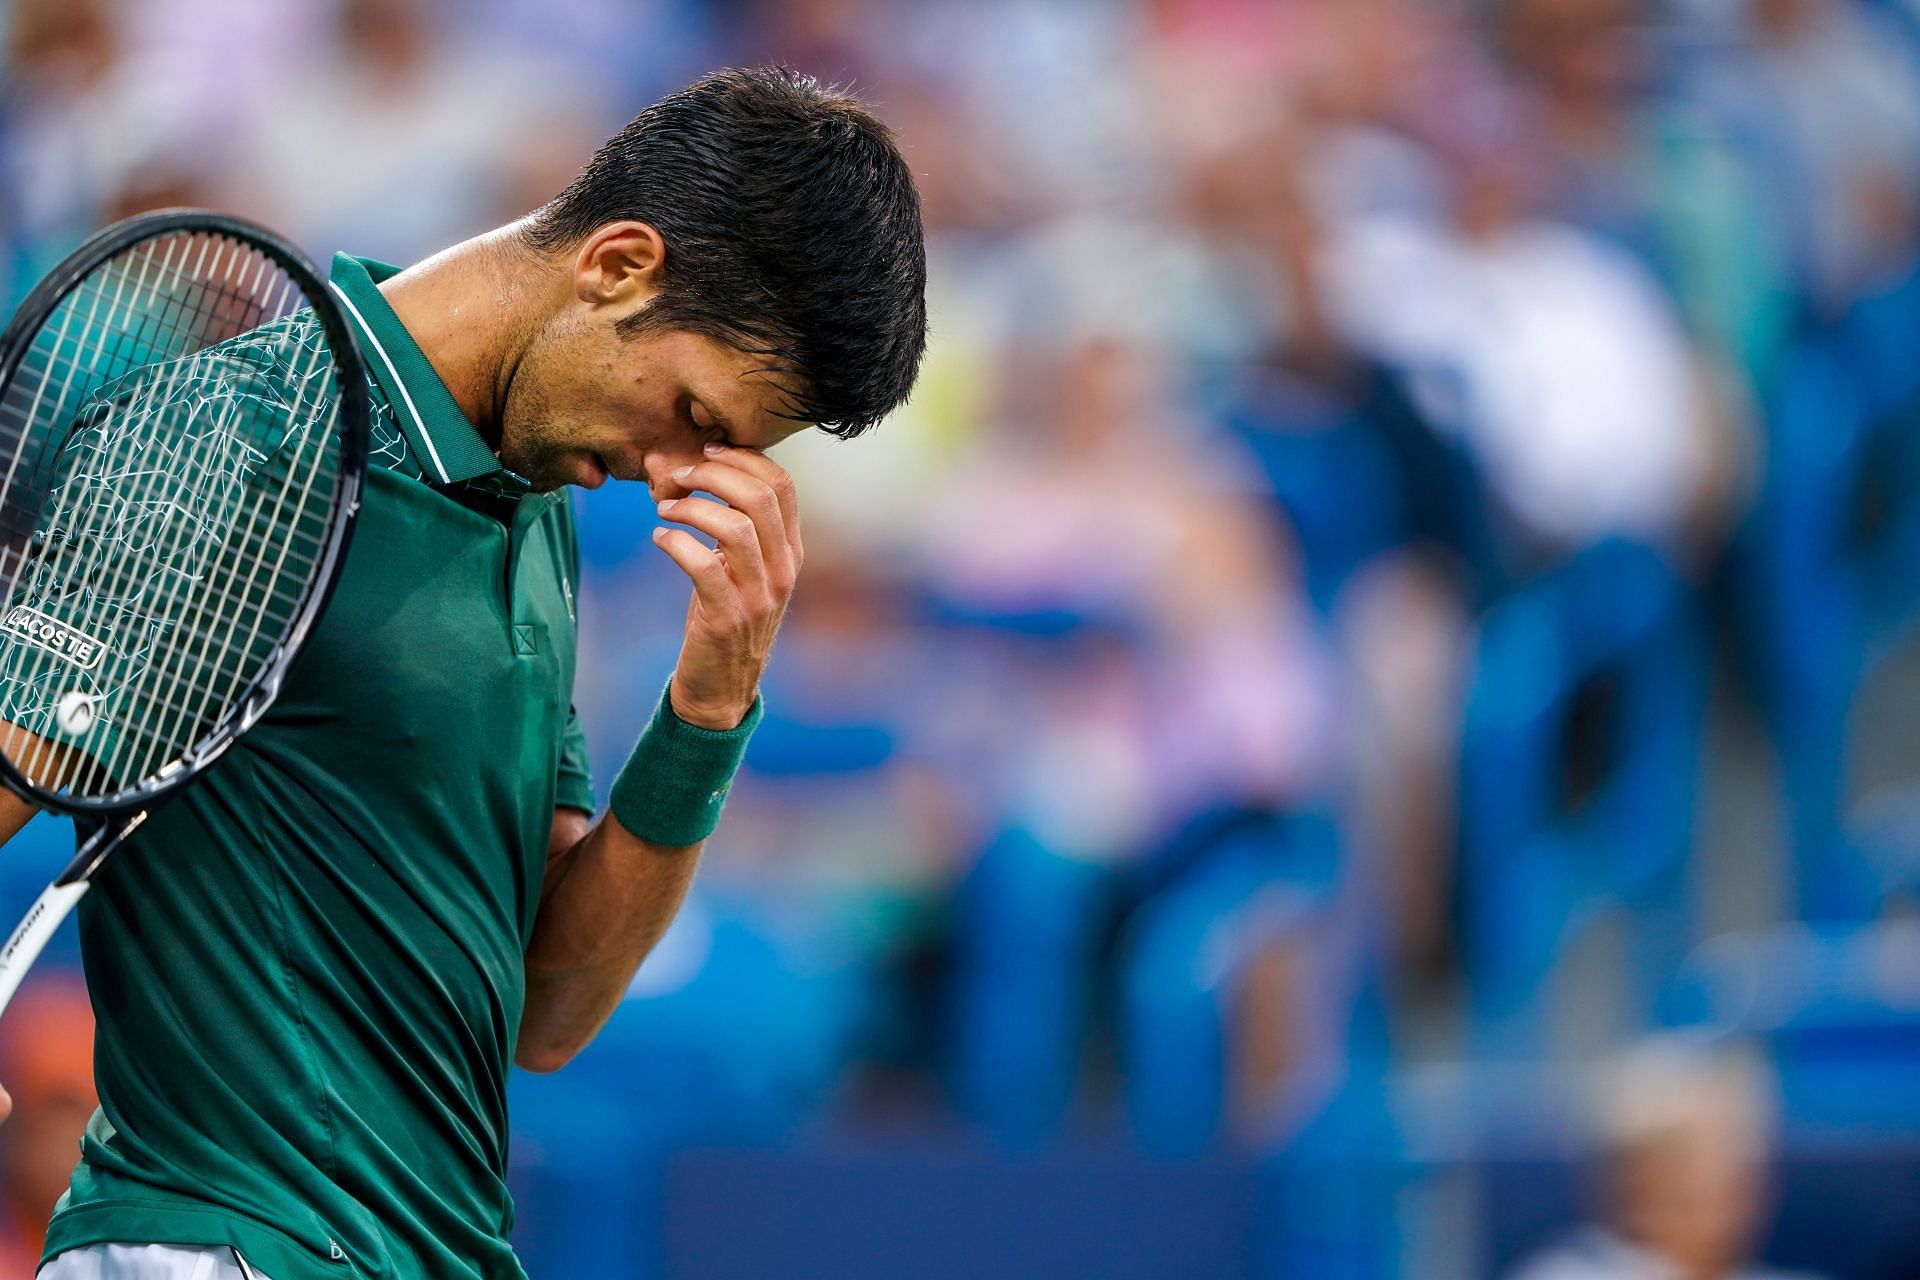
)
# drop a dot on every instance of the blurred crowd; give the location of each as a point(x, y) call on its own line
point(1282, 350)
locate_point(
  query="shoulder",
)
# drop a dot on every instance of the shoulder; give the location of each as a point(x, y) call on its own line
point(1591, 1254)
point(252, 389)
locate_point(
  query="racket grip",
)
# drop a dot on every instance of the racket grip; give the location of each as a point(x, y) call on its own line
point(30, 938)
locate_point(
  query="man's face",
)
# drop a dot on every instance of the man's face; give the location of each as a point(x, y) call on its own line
point(1583, 48)
point(586, 403)
point(1695, 1197)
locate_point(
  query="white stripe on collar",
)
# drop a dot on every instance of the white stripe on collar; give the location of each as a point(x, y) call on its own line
point(398, 381)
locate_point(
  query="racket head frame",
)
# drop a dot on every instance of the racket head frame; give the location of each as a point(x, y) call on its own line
point(355, 413)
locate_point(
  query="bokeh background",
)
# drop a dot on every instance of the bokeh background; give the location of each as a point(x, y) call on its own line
point(1355, 726)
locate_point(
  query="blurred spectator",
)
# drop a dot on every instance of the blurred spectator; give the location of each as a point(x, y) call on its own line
point(1052, 87)
point(46, 1062)
point(1559, 398)
point(1551, 354)
point(851, 826)
point(1155, 662)
point(404, 137)
point(1626, 160)
point(77, 121)
point(617, 53)
point(844, 41)
point(1829, 92)
point(1095, 496)
point(1686, 1137)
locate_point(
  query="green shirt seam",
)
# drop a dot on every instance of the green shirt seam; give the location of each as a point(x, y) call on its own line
point(285, 947)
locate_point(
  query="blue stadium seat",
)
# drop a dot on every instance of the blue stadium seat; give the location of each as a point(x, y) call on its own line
point(1335, 479)
point(1027, 927)
point(1186, 949)
point(727, 1037)
point(1876, 337)
point(1327, 1149)
point(1828, 573)
point(1334, 1195)
point(1539, 867)
point(1358, 478)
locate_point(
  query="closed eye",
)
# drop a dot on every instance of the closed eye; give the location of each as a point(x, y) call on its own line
point(714, 432)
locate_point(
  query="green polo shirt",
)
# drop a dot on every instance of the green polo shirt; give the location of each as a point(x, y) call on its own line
point(307, 966)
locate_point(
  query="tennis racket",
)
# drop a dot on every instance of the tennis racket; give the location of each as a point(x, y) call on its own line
point(183, 438)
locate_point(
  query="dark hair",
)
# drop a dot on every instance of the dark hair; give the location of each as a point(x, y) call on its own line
point(792, 229)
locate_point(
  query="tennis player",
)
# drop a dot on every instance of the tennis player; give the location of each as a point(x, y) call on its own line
point(313, 970)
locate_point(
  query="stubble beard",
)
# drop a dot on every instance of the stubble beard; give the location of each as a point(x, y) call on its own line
point(531, 440)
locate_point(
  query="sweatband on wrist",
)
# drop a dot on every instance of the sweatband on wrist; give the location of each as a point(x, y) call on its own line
point(673, 786)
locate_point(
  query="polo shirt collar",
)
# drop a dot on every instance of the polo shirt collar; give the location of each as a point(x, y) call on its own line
point(449, 448)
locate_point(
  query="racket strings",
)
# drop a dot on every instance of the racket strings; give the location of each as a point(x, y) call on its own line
point(209, 621)
point(171, 434)
point(75, 548)
point(162, 720)
point(264, 565)
point(47, 565)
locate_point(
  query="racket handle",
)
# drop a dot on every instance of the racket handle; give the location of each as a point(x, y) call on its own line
point(30, 939)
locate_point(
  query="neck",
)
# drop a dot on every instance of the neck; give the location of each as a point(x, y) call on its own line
point(473, 309)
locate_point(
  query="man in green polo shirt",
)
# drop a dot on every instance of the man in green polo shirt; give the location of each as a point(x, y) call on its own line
point(314, 969)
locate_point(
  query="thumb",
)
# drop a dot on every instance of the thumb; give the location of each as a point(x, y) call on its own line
point(6, 1104)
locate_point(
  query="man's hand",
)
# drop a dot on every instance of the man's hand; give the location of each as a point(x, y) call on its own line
point(740, 588)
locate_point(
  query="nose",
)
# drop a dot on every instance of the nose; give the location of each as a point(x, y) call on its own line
point(659, 467)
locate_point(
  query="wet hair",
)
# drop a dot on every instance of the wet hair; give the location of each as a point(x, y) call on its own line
point(792, 230)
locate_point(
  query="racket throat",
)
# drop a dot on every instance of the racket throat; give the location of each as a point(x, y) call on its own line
point(94, 849)
point(52, 907)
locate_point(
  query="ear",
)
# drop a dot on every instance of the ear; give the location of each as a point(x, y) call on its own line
point(619, 265)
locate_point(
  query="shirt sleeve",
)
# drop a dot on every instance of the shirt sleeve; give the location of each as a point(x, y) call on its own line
point(140, 496)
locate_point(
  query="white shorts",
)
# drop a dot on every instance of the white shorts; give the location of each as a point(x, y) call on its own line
point(149, 1262)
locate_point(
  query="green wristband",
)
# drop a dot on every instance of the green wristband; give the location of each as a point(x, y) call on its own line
point(673, 786)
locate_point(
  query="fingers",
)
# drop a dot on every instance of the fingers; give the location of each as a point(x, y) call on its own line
point(757, 485)
point(736, 533)
point(775, 477)
point(741, 587)
point(711, 585)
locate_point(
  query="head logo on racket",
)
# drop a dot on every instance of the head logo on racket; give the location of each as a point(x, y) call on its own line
point(75, 712)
